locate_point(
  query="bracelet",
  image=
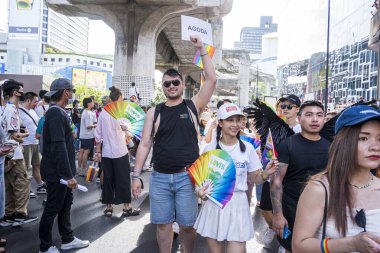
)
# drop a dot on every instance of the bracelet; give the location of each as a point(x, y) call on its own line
point(204, 54)
point(98, 152)
point(135, 177)
point(324, 246)
point(262, 176)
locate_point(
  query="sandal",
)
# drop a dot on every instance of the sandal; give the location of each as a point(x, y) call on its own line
point(108, 212)
point(2, 250)
point(3, 242)
point(131, 212)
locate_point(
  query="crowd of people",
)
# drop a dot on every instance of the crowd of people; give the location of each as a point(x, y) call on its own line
point(315, 195)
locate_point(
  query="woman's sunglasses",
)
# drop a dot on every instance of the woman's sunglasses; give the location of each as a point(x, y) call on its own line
point(361, 219)
point(289, 107)
point(174, 82)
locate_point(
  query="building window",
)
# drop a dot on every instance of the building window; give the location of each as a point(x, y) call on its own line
point(44, 25)
point(104, 65)
point(78, 60)
point(98, 64)
point(45, 19)
point(59, 59)
point(84, 61)
point(52, 59)
point(111, 66)
point(91, 63)
point(67, 59)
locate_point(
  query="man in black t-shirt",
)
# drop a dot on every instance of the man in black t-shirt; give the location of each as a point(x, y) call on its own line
point(58, 162)
point(301, 156)
point(175, 147)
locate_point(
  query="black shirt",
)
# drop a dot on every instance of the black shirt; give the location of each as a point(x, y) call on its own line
point(305, 158)
point(176, 142)
point(75, 117)
point(58, 153)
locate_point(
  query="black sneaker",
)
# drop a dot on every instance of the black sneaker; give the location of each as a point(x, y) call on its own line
point(6, 221)
point(23, 219)
point(41, 190)
point(32, 195)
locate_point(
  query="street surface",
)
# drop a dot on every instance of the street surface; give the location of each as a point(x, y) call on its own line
point(109, 235)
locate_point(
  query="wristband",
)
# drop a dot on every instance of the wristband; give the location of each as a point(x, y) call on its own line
point(135, 177)
point(324, 247)
point(204, 54)
point(262, 176)
point(98, 152)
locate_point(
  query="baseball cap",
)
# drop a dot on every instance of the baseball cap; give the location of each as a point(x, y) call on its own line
point(227, 110)
point(292, 99)
point(59, 84)
point(356, 115)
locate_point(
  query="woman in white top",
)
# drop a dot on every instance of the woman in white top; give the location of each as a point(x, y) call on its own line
point(233, 223)
point(352, 222)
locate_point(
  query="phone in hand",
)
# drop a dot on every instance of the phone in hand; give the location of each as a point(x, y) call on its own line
point(286, 233)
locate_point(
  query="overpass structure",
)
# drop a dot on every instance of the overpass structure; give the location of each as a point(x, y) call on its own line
point(148, 37)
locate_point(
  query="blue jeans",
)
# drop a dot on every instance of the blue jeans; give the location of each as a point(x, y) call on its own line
point(172, 198)
point(77, 140)
point(2, 187)
point(259, 188)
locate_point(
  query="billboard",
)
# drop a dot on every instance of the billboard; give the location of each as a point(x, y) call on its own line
point(24, 19)
point(92, 78)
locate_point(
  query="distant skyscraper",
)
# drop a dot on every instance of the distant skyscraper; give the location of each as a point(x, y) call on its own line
point(250, 37)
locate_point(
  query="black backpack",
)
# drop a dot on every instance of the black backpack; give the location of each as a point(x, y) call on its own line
point(190, 106)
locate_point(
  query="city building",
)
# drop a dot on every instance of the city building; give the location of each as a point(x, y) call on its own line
point(353, 66)
point(251, 37)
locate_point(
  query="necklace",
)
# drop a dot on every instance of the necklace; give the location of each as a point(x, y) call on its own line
point(232, 148)
point(363, 186)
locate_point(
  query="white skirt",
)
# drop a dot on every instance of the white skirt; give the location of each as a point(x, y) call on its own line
point(233, 223)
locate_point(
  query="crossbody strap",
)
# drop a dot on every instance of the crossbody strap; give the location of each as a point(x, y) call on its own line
point(324, 211)
point(30, 116)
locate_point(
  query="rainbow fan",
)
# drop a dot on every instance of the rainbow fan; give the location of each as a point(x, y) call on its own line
point(215, 169)
point(128, 114)
point(255, 142)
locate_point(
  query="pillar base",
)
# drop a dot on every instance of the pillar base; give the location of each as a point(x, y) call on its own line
point(144, 84)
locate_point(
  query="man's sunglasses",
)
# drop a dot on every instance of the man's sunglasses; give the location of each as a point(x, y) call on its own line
point(175, 82)
point(289, 107)
point(73, 90)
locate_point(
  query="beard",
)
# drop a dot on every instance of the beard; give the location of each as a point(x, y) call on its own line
point(174, 96)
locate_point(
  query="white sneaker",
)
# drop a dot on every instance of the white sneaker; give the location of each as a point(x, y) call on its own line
point(175, 228)
point(268, 236)
point(281, 250)
point(52, 249)
point(75, 244)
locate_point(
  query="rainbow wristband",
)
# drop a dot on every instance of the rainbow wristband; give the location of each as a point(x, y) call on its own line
point(324, 246)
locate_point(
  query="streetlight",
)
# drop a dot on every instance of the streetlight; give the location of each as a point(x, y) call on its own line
point(327, 55)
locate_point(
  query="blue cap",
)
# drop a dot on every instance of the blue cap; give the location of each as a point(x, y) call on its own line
point(356, 115)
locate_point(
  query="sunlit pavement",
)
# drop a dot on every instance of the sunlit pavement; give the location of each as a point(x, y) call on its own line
point(109, 235)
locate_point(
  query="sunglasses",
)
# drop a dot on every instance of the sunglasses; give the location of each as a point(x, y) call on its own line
point(73, 90)
point(289, 107)
point(175, 82)
point(361, 219)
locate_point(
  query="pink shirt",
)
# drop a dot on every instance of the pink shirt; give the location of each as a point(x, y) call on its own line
point(108, 132)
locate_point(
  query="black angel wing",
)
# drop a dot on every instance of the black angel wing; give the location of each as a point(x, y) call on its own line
point(328, 130)
point(265, 119)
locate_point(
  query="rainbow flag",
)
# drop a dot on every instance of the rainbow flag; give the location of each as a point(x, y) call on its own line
point(198, 59)
point(269, 152)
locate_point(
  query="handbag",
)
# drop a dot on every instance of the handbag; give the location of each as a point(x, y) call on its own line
point(92, 171)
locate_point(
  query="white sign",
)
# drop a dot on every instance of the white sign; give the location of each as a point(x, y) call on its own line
point(195, 26)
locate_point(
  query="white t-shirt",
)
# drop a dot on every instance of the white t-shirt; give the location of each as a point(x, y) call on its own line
point(297, 128)
point(87, 119)
point(41, 109)
point(30, 125)
point(11, 122)
point(245, 162)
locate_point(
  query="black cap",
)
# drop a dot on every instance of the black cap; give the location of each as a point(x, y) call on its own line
point(59, 84)
point(292, 99)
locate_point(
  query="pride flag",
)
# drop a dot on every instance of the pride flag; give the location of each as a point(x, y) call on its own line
point(269, 152)
point(198, 59)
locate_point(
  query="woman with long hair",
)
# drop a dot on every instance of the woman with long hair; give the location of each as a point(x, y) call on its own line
point(233, 223)
point(339, 210)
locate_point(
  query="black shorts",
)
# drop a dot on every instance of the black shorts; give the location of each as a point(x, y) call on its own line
point(87, 144)
point(265, 202)
point(289, 209)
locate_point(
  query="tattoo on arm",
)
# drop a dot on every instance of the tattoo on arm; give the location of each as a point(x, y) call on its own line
point(276, 188)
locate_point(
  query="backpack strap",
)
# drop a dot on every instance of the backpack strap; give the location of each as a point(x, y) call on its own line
point(190, 104)
point(157, 111)
point(324, 211)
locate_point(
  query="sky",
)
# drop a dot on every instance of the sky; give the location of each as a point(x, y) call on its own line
point(243, 13)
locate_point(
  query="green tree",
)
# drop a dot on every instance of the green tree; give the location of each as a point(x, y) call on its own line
point(83, 91)
point(159, 95)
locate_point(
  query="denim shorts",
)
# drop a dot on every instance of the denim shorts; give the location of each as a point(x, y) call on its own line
point(172, 198)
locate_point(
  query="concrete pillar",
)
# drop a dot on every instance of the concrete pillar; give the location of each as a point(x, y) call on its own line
point(243, 81)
